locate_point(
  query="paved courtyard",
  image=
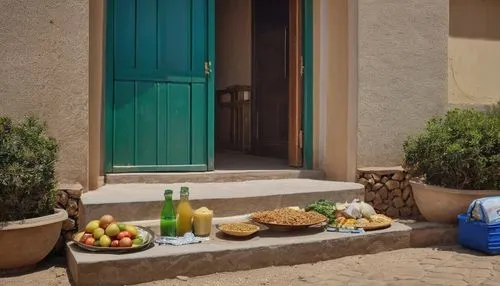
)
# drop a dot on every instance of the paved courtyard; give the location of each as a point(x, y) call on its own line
point(427, 266)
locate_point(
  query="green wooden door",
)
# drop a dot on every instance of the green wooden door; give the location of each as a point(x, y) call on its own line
point(160, 99)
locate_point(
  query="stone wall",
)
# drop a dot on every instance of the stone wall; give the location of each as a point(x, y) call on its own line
point(68, 198)
point(389, 191)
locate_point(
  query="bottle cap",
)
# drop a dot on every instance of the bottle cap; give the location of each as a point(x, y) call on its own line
point(184, 190)
point(168, 192)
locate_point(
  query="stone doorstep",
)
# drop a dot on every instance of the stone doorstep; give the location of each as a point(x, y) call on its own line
point(211, 177)
point(381, 170)
point(272, 249)
point(135, 202)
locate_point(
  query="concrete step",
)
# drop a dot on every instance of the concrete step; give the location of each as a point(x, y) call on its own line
point(215, 176)
point(137, 202)
point(221, 254)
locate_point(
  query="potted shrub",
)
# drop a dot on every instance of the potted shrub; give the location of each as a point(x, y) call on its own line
point(455, 160)
point(29, 224)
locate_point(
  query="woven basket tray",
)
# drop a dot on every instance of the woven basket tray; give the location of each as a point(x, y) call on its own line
point(377, 226)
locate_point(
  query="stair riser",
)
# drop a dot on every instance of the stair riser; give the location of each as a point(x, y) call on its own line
point(136, 211)
point(194, 263)
point(211, 177)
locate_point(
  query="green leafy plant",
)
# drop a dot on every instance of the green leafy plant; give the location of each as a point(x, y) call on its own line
point(27, 170)
point(459, 150)
point(494, 109)
point(324, 207)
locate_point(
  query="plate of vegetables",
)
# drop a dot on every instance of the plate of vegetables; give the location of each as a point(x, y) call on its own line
point(324, 207)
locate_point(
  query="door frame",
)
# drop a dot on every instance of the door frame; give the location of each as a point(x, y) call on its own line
point(306, 85)
point(108, 96)
point(108, 88)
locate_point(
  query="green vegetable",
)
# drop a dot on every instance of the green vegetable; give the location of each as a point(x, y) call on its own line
point(324, 207)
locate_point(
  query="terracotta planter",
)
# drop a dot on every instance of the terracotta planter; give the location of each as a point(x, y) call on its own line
point(438, 204)
point(25, 243)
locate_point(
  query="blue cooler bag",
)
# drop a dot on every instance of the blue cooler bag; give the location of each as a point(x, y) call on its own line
point(479, 228)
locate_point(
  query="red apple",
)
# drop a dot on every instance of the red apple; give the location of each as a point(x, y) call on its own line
point(126, 242)
point(123, 234)
point(90, 241)
point(85, 236)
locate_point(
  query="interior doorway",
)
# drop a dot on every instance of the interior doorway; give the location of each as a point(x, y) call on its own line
point(258, 84)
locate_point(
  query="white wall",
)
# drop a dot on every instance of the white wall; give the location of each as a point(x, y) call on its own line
point(233, 43)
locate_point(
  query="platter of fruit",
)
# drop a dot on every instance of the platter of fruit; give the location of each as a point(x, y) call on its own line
point(108, 235)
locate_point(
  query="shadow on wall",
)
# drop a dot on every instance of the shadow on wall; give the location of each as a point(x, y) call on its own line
point(475, 19)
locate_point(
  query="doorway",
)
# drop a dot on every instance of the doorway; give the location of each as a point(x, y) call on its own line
point(161, 62)
point(258, 81)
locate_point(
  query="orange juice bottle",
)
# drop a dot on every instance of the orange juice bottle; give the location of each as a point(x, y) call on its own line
point(184, 213)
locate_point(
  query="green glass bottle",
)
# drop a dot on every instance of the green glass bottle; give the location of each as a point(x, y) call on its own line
point(167, 216)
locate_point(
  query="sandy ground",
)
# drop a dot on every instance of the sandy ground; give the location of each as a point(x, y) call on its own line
point(428, 266)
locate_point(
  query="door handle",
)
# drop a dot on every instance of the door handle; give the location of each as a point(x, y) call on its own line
point(208, 68)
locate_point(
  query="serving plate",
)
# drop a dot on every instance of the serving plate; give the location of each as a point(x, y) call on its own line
point(146, 234)
point(239, 233)
point(288, 227)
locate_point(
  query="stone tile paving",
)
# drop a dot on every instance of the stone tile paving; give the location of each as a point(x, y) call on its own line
point(427, 266)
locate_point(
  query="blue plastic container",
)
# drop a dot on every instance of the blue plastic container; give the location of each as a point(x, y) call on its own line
point(478, 235)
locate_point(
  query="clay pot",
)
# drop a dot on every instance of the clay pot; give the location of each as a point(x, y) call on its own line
point(25, 243)
point(443, 205)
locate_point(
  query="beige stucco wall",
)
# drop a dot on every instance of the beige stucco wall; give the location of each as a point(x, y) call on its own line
point(474, 52)
point(44, 54)
point(233, 42)
point(403, 70)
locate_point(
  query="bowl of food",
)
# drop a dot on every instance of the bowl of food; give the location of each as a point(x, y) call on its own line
point(286, 219)
point(240, 229)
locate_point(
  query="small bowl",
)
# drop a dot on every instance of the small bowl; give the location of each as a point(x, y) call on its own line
point(239, 233)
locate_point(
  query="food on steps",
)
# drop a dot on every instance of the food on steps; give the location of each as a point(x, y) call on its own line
point(349, 216)
point(168, 222)
point(353, 210)
point(290, 217)
point(202, 221)
point(375, 221)
point(341, 206)
point(106, 220)
point(238, 227)
point(366, 210)
point(357, 209)
point(110, 236)
point(184, 213)
point(362, 222)
point(380, 218)
point(324, 207)
point(342, 222)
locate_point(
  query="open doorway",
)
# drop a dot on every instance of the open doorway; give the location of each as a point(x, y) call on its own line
point(258, 84)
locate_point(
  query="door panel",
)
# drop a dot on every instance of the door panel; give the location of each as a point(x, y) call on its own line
point(160, 96)
point(271, 77)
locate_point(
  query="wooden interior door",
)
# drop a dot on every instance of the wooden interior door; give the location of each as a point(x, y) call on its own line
point(271, 77)
point(296, 68)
